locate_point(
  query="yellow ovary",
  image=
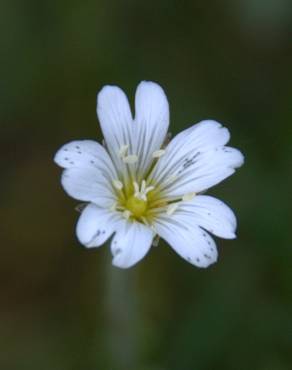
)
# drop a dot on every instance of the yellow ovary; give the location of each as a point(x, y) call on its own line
point(136, 206)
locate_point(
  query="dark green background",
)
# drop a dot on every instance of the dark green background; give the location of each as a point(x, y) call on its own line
point(66, 308)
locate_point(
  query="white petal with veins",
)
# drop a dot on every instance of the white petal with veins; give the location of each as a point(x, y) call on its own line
point(199, 138)
point(85, 154)
point(88, 185)
point(131, 243)
point(187, 239)
point(151, 123)
point(115, 116)
point(96, 225)
point(116, 122)
point(208, 169)
point(211, 214)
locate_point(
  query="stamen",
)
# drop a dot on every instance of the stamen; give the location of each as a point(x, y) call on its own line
point(171, 209)
point(130, 159)
point(127, 214)
point(118, 184)
point(136, 187)
point(123, 150)
point(170, 179)
point(113, 207)
point(149, 188)
point(141, 193)
point(158, 153)
point(145, 220)
point(143, 186)
point(141, 196)
point(188, 197)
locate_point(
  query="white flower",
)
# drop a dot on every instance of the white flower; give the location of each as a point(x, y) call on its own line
point(139, 187)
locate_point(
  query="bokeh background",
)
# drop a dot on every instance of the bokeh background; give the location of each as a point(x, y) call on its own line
point(66, 308)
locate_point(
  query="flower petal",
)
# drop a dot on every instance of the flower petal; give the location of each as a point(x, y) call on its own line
point(187, 239)
point(86, 154)
point(131, 243)
point(211, 214)
point(192, 163)
point(114, 114)
point(89, 185)
point(96, 225)
point(209, 169)
point(199, 137)
point(151, 122)
point(116, 122)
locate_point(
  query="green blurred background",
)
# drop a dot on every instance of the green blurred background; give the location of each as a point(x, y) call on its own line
point(66, 308)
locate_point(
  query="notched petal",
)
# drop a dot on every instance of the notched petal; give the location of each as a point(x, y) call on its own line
point(95, 226)
point(130, 244)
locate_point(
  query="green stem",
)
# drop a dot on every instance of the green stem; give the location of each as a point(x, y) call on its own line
point(122, 319)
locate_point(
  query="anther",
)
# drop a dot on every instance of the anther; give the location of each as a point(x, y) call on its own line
point(118, 184)
point(136, 187)
point(113, 207)
point(127, 214)
point(130, 159)
point(171, 209)
point(141, 194)
point(188, 197)
point(123, 150)
point(143, 186)
point(149, 188)
point(158, 153)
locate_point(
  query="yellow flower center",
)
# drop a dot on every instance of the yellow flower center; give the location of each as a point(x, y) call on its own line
point(143, 202)
point(136, 206)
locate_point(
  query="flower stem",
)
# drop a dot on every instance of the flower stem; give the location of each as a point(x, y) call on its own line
point(121, 311)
